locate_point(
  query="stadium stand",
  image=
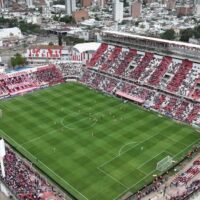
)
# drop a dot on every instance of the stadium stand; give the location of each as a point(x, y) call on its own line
point(183, 178)
point(178, 78)
point(98, 54)
point(22, 82)
point(24, 182)
point(136, 73)
point(128, 57)
point(161, 83)
point(71, 69)
point(49, 74)
point(114, 54)
point(160, 71)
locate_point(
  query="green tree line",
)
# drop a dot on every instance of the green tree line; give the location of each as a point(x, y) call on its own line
point(22, 25)
point(18, 60)
point(185, 34)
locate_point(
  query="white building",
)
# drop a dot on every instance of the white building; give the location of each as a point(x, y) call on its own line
point(10, 32)
point(70, 6)
point(2, 4)
point(83, 52)
point(45, 54)
point(29, 3)
point(197, 7)
point(118, 11)
point(58, 8)
point(101, 3)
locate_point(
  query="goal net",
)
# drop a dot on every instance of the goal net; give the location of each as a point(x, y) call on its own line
point(164, 164)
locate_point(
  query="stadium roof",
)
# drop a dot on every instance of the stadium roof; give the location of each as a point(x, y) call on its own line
point(43, 46)
point(90, 46)
point(153, 39)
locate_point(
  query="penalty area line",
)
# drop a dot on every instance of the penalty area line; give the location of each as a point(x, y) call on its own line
point(107, 174)
point(127, 150)
point(125, 146)
point(118, 196)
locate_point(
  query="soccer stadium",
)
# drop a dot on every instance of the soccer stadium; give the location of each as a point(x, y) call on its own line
point(124, 125)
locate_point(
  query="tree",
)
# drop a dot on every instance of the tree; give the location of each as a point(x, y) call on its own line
point(168, 34)
point(51, 44)
point(197, 32)
point(18, 60)
point(65, 19)
point(61, 2)
point(72, 40)
point(12, 23)
point(29, 28)
point(60, 39)
point(186, 34)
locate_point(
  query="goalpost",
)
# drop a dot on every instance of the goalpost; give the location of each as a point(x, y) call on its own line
point(164, 164)
point(1, 113)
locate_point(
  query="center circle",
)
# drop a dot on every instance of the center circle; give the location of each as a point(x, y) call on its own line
point(71, 120)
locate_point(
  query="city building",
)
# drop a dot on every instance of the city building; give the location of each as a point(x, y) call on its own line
point(80, 15)
point(1, 3)
point(170, 4)
point(197, 7)
point(45, 54)
point(70, 7)
point(29, 3)
point(184, 10)
point(118, 8)
point(10, 32)
point(86, 3)
point(136, 9)
point(101, 3)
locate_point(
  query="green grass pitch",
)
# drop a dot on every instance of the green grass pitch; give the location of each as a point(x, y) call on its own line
point(93, 145)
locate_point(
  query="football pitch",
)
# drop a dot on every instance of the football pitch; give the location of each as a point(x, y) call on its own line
point(95, 146)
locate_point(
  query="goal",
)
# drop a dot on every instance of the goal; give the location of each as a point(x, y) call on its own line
point(164, 164)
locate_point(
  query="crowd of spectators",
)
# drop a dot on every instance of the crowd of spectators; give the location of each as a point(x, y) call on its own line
point(149, 189)
point(162, 72)
point(22, 82)
point(161, 102)
point(173, 188)
point(71, 70)
point(23, 181)
point(189, 189)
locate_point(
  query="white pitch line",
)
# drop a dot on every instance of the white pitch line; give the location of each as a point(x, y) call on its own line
point(116, 198)
point(142, 172)
point(37, 138)
point(125, 145)
point(8, 136)
point(149, 160)
point(46, 166)
point(76, 122)
point(64, 181)
point(5, 107)
point(186, 148)
point(107, 174)
point(174, 140)
point(128, 150)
